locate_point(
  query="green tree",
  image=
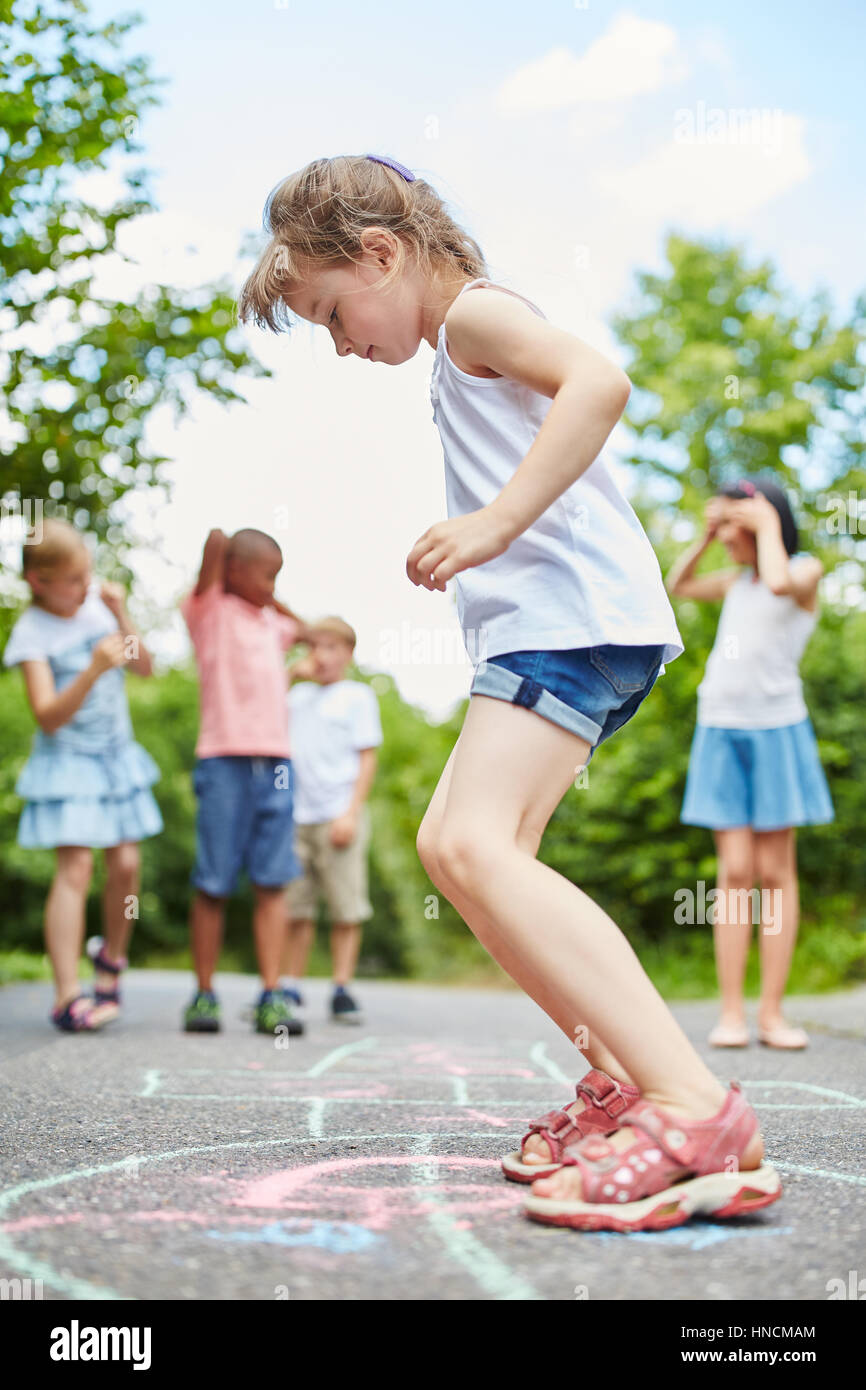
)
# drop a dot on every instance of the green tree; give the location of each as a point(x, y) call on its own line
point(734, 376)
point(81, 373)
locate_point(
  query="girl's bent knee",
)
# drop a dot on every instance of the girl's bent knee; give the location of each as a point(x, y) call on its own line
point(464, 858)
point(426, 844)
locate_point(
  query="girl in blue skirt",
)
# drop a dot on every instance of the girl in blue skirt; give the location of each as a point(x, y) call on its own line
point(87, 782)
point(754, 771)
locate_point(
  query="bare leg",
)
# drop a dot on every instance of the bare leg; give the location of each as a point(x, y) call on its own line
point(536, 1149)
point(732, 931)
point(299, 941)
point(64, 918)
point(269, 930)
point(484, 929)
point(119, 904)
point(345, 946)
point(777, 872)
point(564, 938)
point(206, 930)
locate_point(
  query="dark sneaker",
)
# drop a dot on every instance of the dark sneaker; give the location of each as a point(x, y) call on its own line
point(295, 1001)
point(343, 1007)
point(273, 1015)
point(203, 1014)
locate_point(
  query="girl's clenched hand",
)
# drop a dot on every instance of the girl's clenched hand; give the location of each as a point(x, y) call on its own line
point(459, 544)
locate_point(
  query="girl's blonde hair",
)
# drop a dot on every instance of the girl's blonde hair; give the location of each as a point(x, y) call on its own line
point(316, 217)
point(58, 543)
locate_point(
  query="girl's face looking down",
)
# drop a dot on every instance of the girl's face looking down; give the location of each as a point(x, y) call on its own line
point(62, 589)
point(381, 326)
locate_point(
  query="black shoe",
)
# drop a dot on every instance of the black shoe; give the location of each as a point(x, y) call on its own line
point(343, 1007)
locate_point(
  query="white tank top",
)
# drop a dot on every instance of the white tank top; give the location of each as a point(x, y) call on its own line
point(752, 680)
point(584, 573)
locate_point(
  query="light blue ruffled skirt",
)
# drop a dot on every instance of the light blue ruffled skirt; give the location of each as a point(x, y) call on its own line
point(93, 799)
point(768, 779)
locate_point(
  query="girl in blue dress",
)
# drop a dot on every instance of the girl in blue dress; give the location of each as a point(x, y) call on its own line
point(86, 782)
point(754, 770)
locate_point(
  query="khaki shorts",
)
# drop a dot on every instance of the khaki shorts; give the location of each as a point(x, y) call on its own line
point(337, 875)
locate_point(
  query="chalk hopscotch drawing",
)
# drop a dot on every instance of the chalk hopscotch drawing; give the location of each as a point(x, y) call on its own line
point(362, 1192)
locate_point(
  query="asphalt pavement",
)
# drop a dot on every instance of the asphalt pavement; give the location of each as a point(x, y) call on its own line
point(362, 1163)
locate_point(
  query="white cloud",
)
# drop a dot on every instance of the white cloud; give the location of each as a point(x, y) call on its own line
point(705, 180)
point(631, 57)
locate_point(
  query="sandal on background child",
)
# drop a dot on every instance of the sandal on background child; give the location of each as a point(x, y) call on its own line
point(83, 1015)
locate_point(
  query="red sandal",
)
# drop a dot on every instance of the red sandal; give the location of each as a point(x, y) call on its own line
point(605, 1099)
point(673, 1169)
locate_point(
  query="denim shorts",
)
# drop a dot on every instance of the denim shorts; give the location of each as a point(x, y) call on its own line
point(244, 821)
point(591, 691)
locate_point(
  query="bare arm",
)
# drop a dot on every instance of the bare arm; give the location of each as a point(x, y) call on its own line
point(805, 578)
point(213, 561)
point(51, 710)
point(799, 581)
point(366, 773)
point(589, 395)
point(682, 582)
point(303, 633)
point(138, 657)
point(343, 828)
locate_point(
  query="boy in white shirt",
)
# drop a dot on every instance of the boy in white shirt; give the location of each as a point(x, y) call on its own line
point(336, 730)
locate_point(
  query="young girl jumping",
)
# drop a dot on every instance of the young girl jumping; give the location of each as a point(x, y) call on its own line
point(754, 771)
point(565, 615)
point(87, 782)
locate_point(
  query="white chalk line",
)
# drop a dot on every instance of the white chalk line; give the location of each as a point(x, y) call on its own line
point(857, 1178)
point(338, 1053)
point(538, 1055)
point(29, 1266)
point(464, 1248)
point(316, 1117)
point(461, 1093)
point(461, 1100)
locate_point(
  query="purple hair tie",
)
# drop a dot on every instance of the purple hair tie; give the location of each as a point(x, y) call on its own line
point(393, 164)
point(745, 486)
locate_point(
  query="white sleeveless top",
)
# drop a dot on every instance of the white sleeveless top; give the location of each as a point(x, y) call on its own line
point(752, 680)
point(584, 573)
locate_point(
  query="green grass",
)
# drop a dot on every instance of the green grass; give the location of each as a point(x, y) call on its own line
point(827, 957)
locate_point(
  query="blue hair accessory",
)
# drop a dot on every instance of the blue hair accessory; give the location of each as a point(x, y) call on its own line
point(393, 164)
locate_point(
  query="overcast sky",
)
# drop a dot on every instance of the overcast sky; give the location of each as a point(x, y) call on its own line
point(556, 133)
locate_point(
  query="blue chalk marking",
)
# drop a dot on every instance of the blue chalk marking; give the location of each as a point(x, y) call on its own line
point(339, 1237)
point(694, 1236)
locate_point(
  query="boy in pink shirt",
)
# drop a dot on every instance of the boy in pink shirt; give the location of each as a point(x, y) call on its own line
point(243, 777)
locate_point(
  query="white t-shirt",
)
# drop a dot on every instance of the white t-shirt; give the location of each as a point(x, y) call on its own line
point(752, 679)
point(331, 724)
point(584, 573)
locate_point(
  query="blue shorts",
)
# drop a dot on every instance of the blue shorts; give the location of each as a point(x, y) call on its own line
point(591, 691)
point(244, 821)
point(768, 779)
